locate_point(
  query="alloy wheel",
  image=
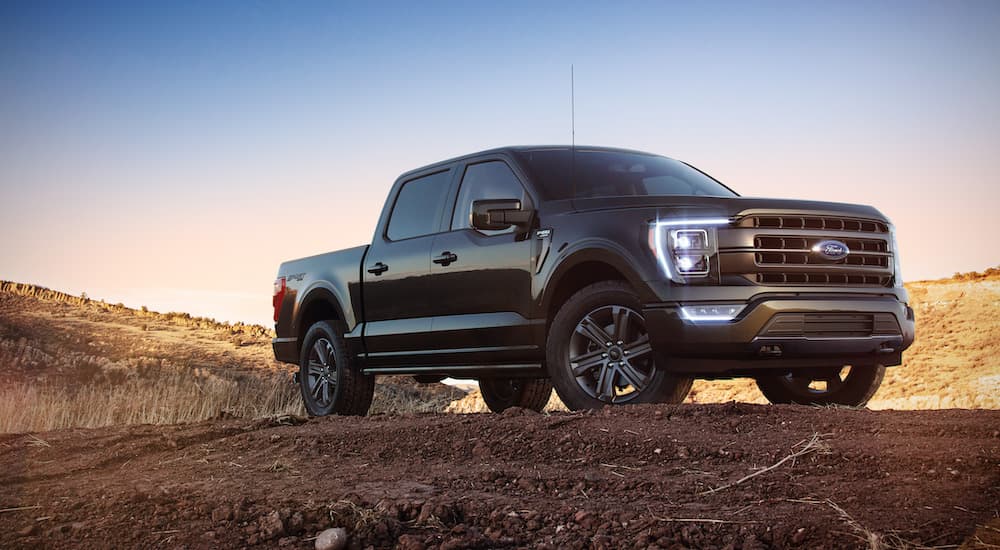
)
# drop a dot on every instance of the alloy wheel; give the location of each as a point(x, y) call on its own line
point(610, 354)
point(322, 373)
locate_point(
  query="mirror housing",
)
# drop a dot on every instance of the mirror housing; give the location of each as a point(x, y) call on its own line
point(498, 214)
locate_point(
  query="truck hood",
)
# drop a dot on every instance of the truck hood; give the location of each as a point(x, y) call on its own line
point(725, 207)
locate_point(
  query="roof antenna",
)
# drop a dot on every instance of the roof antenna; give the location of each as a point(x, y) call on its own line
point(572, 118)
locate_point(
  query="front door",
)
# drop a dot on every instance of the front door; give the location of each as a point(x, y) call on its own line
point(481, 280)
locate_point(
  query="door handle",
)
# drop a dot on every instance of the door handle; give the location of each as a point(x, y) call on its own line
point(446, 258)
point(378, 269)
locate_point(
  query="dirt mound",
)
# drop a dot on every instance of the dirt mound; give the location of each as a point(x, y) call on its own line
point(746, 476)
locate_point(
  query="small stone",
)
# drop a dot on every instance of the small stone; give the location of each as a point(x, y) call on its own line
point(332, 539)
point(222, 513)
point(682, 452)
point(799, 536)
point(585, 519)
point(28, 531)
point(426, 512)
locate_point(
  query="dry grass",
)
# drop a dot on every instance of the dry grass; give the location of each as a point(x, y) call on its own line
point(168, 398)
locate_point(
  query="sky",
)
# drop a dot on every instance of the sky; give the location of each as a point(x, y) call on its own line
point(172, 154)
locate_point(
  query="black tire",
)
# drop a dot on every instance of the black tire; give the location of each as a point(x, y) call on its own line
point(588, 373)
point(501, 394)
point(849, 386)
point(328, 379)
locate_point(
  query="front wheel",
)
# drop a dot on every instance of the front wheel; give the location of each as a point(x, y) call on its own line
point(599, 353)
point(850, 386)
point(330, 382)
point(501, 394)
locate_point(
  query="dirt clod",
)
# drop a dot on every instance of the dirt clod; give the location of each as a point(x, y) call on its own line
point(271, 526)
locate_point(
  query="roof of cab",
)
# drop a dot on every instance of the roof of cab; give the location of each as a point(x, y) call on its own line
point(520, 149)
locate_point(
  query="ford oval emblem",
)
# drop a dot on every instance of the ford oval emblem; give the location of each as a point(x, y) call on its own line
point(832, 250)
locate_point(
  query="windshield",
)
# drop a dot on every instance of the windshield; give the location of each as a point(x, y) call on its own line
point(614, 174)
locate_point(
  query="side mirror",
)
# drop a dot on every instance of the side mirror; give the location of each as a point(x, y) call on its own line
point(497, 214)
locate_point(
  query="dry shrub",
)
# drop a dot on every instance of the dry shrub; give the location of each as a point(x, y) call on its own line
point(168, 397)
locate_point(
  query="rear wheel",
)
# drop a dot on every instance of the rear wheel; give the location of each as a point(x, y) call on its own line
point(503, 393)
point(851, 386)
point(598, 352)
point(330, 382)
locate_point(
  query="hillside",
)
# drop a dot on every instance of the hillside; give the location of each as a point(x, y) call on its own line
point(61, 354)
point(69, 361)
point(953, 363)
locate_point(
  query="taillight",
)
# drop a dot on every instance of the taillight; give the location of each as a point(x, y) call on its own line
point(279, 296)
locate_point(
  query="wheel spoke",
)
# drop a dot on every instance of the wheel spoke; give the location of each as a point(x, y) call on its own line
point(621, 316)
point(326, 391)
point(322, 353)
point(800, 383)
point(639, 348)
point(605, 384)
point(632, 376)
point(833, 382)
point(317, 388)
point(587, 361)
point(593, 331)
point(315, 368)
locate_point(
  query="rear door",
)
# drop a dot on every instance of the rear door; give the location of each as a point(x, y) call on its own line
point(480, 281)
point(397, 267)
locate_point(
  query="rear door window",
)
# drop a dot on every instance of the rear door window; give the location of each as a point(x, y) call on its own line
point(418, 207)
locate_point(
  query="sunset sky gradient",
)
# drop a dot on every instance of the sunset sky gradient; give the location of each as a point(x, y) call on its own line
point(171, 154)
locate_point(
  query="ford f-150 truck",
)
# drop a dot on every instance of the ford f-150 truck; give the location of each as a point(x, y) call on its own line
point(615, 276)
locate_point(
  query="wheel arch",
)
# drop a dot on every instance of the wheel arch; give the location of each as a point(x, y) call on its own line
point(319, 304)
point(585, 266)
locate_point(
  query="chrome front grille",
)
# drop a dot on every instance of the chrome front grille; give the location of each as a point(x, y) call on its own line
point(779, 250)
point(798, 250)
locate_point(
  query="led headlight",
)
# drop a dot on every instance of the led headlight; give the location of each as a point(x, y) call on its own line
point(684, 248)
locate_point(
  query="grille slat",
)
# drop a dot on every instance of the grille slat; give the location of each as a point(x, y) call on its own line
point(821, 223)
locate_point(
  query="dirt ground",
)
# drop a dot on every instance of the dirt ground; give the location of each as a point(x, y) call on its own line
point(634, 477)
point(723, 475)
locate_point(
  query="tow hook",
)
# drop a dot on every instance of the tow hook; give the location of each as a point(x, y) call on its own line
point(770, 351)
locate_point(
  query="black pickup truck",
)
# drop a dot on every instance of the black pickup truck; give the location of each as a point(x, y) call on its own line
point(615, 276)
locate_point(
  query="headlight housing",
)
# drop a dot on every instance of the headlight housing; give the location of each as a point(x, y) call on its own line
point(686, 248)
point(897, 269)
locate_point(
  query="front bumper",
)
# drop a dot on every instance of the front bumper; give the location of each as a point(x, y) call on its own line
point(746, 345)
